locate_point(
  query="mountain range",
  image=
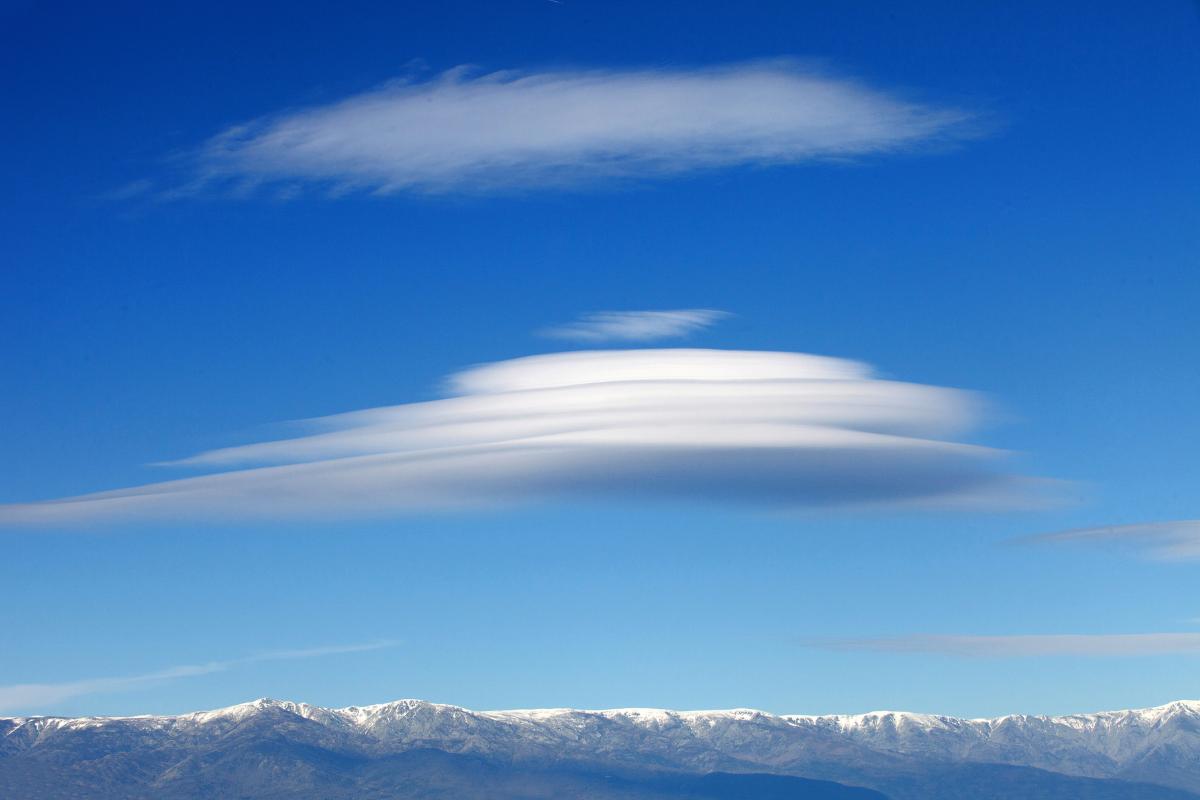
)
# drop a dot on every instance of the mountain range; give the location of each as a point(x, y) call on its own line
point(414, 749)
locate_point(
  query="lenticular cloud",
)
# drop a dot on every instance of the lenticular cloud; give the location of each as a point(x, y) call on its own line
point(524, 130)
point(778, 430)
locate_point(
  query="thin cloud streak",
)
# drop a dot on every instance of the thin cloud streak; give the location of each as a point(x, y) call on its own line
point(636, 326)
point(762, 429)
point(463, 131)
point(37, 695)
point(1094, 645)
point(1177, 540)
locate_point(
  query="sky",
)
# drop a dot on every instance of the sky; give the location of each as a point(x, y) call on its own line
point(893, 406)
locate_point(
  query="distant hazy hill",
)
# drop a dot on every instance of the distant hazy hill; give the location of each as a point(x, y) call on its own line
point(412, 749)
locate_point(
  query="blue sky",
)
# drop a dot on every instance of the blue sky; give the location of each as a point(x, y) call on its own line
point(1039, 249)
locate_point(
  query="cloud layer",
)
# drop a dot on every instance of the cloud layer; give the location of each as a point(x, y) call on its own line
point(465, 131)
point(636, 326)
point(1115, 644)
point(1177, 540)
point(769, 429)
point(23, 696)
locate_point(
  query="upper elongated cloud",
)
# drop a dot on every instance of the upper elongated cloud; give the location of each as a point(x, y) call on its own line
point(779, 430)
point(1113, 644)
point(464, 131)
point(39, 695)
point(636, 326)
point(1177, 540)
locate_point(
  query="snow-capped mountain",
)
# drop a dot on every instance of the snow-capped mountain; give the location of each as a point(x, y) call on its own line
point(895, 752)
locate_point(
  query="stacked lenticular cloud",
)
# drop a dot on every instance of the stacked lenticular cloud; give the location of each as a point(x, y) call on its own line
point(767, 428)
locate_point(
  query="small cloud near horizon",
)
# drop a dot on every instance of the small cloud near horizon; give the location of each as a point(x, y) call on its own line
point(1175, 540)
point(1094, 645)
point(39, 695)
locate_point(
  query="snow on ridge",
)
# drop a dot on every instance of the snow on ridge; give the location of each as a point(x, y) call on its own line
point(940, 720)
point(1099, 745)
point(843, 721)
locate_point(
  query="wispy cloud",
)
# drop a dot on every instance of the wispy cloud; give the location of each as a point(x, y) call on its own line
point(1115, 644)
point(768, 429)
point(636, 326)
point(23, 696)
point(512, 129)
point(1177, 540)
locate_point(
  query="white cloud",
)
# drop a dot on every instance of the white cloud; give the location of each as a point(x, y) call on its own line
point(465, 131)
point(636, 326)
point(1114, 644)
point(1177, 540)
point(768, 429)
point(23, 696)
